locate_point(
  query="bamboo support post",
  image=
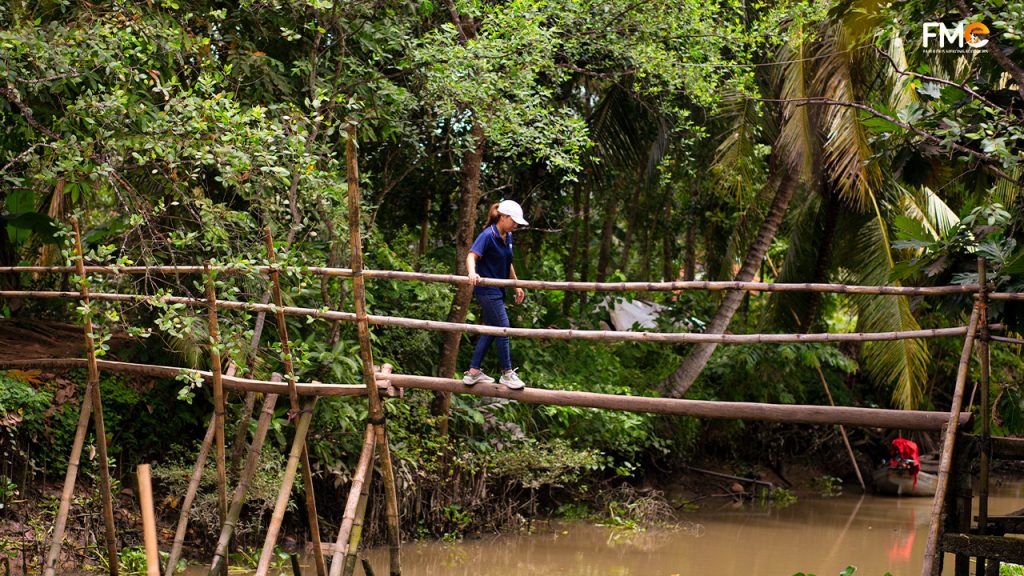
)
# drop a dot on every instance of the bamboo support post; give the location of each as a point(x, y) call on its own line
point(142, 472)
point(218, 400)
point(360, 478)
point(376, 416)
point(356, 535)
point(97, 410)
point(227, 530)
point(535, 333)
point(986, 445)
point(283, 495)
point(293, 397)
point(85, 412)
point(932, 564)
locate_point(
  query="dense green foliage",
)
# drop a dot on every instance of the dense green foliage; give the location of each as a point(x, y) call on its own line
point(646, 141)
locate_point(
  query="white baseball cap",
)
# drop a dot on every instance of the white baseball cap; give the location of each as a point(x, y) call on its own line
point(512, 209)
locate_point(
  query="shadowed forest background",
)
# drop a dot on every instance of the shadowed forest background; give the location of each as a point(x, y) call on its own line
point(773, 141)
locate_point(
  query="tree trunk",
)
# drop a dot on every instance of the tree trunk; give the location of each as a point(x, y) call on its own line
point(469, 186)
point(421, 250)
point(680, 381)
point(627, 241)
point(606, 239)
point(574, 245)
point(585, 249)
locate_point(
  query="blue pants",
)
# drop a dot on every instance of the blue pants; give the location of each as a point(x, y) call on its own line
point(494, 315)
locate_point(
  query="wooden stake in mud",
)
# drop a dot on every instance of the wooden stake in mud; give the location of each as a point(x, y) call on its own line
point(293, 396)
point(251, 464)
point(932, 564)
point(97, 410)
point(366, 353)
point(360, 483)
point(53, 556)
point(218, 398)
point(148, 520)
point(274, 529)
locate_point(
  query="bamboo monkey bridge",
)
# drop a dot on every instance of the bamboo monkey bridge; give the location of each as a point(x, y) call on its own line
point(951, 529)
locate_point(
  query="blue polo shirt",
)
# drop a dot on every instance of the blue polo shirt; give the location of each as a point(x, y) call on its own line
point(494, 258)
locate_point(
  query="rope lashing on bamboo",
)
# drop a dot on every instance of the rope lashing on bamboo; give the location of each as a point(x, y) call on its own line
point(230, 382)
point(540, 333)
point(790, 413)
point(713, 286)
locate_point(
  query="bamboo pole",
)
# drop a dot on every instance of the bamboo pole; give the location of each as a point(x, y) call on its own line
point(193, 488)
point(986, 445)
point(227, 530)
point(97, 410)
point(293, 397)
point(540, 284)
point(85, 412)
point(842, 431)
point(348, 519)
point(250, 397)
point(932, 556)
point(218, 401)
point(148, 520)
point(230, 382)
point(1007, 340)
point(376, 415)
point(190, 495)
point(570, 334)
point(274, 528)
point(356, 535)
point(792, 413)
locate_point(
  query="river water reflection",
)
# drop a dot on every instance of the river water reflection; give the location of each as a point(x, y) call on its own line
point(815, 535)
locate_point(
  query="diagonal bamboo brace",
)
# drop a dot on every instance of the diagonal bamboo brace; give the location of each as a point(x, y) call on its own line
point(274, 529)
point(251, 464)
point(932, 564)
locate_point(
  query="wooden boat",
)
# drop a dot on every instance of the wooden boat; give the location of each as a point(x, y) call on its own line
point(900, 482)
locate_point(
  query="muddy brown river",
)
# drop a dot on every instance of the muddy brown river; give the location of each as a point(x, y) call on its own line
point(815, 535)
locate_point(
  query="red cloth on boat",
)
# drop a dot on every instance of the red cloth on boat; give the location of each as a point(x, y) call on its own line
point(903, 456)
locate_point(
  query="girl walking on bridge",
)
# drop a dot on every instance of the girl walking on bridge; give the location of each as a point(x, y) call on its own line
point(491, 257)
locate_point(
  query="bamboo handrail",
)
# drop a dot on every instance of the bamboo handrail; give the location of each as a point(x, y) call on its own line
point(930, 565)
point(1006, 339)
point(541, 333)
point(791, 413)
point(713, 286)
point(230, 382)
point(97, 412)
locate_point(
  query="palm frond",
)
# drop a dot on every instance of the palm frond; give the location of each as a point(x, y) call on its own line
point(925, 207)
point(899, 364)
point(797, 141)
point(848, 158)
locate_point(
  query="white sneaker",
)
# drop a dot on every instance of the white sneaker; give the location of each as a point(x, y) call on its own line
point(471, 379)
point(511, 379)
